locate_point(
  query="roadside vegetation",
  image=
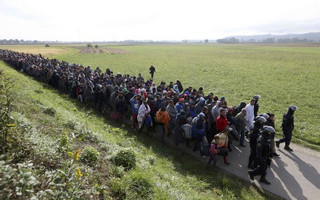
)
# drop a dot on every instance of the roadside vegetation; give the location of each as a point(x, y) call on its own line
point(55, 148)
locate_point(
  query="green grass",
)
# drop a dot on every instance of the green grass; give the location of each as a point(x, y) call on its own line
point(281, 74)
point(173, 176)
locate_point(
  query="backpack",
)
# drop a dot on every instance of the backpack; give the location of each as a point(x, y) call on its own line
point(115, 116)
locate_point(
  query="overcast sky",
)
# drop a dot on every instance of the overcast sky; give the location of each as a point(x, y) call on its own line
point(105, 20)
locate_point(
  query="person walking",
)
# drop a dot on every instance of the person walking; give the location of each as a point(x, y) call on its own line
point(287, 128)
point(270, 122)
point(256, 105)
point(263, 154)
point(254, 135)
point(152, 70)
point(250, 114)
point(134, 101)
point(143, 112)
point(214, 150)
point(163, 119)
point(241, 125)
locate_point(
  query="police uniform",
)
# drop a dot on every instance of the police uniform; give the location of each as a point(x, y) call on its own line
point(258, 124)
point(287, 127)
point(263, 155)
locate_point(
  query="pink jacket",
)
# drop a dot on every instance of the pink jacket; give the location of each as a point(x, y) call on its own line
point(213, 150)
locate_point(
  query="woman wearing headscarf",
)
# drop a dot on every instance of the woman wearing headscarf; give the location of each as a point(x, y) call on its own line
point(143, 111)
point(163, 119)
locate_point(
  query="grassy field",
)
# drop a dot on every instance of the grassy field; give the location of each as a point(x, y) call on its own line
point(281, 74)
point(171, 175)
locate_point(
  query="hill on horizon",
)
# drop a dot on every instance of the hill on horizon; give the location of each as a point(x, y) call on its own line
point(304, 37)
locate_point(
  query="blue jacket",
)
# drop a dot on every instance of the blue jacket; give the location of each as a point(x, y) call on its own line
point(198, 133)
point(179, 107)
point(134, 106)
point(193, 112)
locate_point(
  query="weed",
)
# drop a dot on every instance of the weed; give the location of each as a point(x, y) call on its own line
point(126, 159)
point(90, 155)
point(64, 142)
point(140, 186)
point(38, 91)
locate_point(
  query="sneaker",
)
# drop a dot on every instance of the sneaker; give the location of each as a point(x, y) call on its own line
point(288, 148)
point(265, 181)
point(277, 144)
point(227, 163)
point(251, 175)
point(242, 145)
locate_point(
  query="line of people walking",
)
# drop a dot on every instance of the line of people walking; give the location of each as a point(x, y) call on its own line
point(192, 118)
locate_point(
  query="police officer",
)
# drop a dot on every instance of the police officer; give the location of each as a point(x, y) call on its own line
point(263, 154)
point(258, 124)
point(287, 127)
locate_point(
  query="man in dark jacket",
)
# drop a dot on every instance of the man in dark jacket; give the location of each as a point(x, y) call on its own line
point(238, 108)
point(152, 70)
point(256, 105)
point(180, 87)
point(254, 135)
point(287, 127)
point(270, 122)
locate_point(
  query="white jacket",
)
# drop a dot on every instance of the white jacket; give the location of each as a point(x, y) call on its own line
point(249, 116)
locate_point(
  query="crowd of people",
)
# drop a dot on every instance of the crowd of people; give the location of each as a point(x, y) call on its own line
point(190, 116)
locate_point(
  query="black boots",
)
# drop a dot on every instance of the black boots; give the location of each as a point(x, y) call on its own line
point(251, 175)
point(288, 148)
point(264, 180)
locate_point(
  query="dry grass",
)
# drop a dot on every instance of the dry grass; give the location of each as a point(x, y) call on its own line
point(36, 49)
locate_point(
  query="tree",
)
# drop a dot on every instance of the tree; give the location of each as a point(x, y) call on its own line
point(89, 45)
point(206, 41)
point(96, 46)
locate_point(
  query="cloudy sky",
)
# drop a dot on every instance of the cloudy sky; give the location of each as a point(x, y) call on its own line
point(105, 20)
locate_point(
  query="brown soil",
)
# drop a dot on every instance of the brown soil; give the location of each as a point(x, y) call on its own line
point(92, 50)
point(116, 51)
point(88, 50)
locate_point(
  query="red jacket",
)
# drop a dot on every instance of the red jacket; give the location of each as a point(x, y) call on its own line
point(221, 122)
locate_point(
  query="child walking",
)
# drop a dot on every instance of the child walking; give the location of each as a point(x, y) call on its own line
point(214, 150)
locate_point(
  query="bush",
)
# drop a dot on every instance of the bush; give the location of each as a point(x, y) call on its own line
point(126, 159)
point(90, 155)
point(50, 111)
